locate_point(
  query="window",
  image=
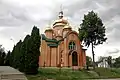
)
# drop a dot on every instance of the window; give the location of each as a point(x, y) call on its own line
point(72, 46)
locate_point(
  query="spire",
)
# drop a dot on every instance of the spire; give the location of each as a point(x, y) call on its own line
point(61, 13)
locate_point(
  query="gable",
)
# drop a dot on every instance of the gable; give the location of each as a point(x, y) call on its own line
point(71, 32)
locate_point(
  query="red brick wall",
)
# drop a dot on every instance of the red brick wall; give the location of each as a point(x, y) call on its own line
point(52, 55)
point(43, 53)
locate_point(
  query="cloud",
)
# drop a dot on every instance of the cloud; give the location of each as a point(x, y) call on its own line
point(113, 51)
point(17, 18)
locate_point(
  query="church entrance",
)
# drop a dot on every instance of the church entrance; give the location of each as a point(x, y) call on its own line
point(74, 59)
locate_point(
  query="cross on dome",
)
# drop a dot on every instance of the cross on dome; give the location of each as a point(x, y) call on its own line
point(61, 13)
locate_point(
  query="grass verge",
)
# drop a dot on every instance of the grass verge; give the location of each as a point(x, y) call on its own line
point(69, 74)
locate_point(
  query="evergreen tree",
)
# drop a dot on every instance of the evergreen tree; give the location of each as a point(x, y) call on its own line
point(18, 54)
point(2, 56)
point(3, 59)
point(33, 52)
point(23, 57)
point(92, 31)
point(7, 59)
point(12, 57)
point(15, 55)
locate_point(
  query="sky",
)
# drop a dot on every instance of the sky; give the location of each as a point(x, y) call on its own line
point(17, 17)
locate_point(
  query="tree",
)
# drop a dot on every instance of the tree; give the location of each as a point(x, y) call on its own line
point(18, 53)
point(30, 52)
point(92, 31)
point(7, 59)
point(25, 55)
point(88, 62)
point(109, 61)
point(117, 62)
point(2, 56)
point(15, 55)
point(12, 57)
point(34, 45)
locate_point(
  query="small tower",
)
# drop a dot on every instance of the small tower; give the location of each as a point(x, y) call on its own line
point(60, 22)
point(60, 14)
point(66, 29)
point(49, 32)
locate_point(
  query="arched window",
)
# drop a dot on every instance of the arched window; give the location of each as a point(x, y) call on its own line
point(72, 46)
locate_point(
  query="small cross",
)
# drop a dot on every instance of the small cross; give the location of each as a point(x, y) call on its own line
point(61, 7)
point(61, 13)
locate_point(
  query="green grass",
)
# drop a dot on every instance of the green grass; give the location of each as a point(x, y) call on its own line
point(69, 74)
point(108, 73)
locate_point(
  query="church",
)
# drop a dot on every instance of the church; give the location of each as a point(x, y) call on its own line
point(60, 46)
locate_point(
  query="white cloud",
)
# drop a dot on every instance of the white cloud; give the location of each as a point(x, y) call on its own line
point(23, 3)
point(17, 18)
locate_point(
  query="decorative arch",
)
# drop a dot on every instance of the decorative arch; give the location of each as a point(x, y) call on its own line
point(74, 32)
point(59, 36)
point(74, 57)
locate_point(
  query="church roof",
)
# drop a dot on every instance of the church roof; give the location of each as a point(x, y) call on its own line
point(67, 26)
point(48, 28)
point(61, 20)
point(47, 39)
point(53, 42)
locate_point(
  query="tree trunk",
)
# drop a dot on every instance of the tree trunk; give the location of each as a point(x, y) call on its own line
point(93, 56)
point(87, 67)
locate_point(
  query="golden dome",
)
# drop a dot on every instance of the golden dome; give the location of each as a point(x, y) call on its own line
point(61, 21)
point(48, 29)
point(67, 26)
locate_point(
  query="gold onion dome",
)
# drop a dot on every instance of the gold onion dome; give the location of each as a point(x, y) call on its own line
point(48, 28)
point(67, 26)
point(61, 20)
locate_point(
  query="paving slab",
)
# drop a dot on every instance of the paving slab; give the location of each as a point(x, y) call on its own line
point(9, 73)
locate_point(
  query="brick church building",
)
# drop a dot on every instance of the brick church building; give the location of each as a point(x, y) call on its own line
point(60, 46)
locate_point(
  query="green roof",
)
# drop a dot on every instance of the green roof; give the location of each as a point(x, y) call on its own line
point(54, 43)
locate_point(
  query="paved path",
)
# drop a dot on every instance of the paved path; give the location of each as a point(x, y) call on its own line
point(9, 73)
point(107, 79)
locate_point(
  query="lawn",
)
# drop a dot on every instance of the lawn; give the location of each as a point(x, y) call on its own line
point(69, 74)
point(108, 73)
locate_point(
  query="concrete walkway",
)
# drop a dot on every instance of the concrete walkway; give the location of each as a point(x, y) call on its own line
point(9, 73)
point(106, 79)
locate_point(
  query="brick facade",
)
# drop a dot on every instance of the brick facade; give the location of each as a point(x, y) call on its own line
point(56, 48)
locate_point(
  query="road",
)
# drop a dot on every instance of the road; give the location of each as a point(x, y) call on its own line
point(107, 79)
